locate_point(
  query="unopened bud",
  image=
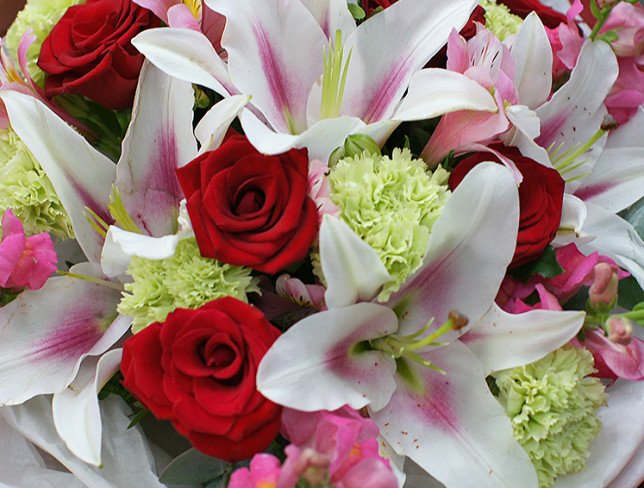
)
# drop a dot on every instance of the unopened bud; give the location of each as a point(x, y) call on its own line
point(619, 330)
point(457, 319)
point(603, 291)
point(354, 145)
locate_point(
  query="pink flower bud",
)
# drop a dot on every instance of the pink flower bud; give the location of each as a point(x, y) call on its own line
point(619, 330)
point(603, 291)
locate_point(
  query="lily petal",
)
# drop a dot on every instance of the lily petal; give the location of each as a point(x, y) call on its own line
point(81, 176)
point(121, 245)
point(453, 427)
point(617, 180)
point(352, 268)
point(331, 15)
point(78, 405)
point(501, 340)
point(389, 47)
point(575, 111)
point(260, 37)
point(186, 54)
point(317, 366)
point(158, 141)
point(120, 445)
point(433, 92)
point(618, 441)
point(212, 127)
point(573, 216)
point(532, 56)
point(470, 247)
point(615, 238)
point(45, 334)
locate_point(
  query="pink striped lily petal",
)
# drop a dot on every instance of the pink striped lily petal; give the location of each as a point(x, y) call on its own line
point(78, 405)
point(158, 141)
point(325, 368)
point(617, 180)
point(260, 38)
point(212, 127)
point(575, 111)
point(470, 247)
point(501, 340)
point(45, 334)
point(389, 47)
point(454, 428)
point(158, 7)
point(81, 176)
point(186, 54)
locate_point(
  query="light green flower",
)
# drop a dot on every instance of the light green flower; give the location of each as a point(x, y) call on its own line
point(499, 20)
point(392, 204)
point(25, 188)
point(553, 406)
point(185, 280)
point(40, 16)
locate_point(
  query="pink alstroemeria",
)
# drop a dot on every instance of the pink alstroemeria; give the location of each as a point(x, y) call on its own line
point(566, 42)
point(189, 14)
point(52, 338)
point(340, 80)
point(319, 189)
point(385, 356)
point(339, 448)
point(25, 262)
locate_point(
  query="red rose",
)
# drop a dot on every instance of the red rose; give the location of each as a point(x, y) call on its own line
point(89, 52)
point(250, 209)
point(540, 200)
point(198, 370)
point(370, 5)
point(550, 17)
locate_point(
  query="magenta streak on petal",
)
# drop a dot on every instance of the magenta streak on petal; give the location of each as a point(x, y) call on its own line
point(88, 200)
point(588, 192)
point(154, 199)
point(437, 405)
point(386, 92)
point(552, 129)
point(72, 340)
point(274, 76)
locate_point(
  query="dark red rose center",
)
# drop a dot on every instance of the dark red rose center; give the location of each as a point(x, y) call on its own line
point(250, 202)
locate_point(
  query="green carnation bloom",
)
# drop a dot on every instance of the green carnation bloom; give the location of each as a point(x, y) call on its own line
point(499, 20)
point(40, 16)
point(25, 188)
point(392, 204)
point(553, 406)
point(185, 280)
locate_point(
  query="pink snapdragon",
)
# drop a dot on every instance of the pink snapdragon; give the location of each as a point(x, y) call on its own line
point(337, 448)
point(566, 42)
point(25, 262)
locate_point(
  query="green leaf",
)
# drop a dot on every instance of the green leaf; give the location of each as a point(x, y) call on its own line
point(193, 467)
point(356, 11)
point(629, 293)
point(546, 266)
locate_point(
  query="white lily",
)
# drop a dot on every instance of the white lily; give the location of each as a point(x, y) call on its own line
point(604, 174)
point(46, 336)
point(315, 78)
point(385, 357)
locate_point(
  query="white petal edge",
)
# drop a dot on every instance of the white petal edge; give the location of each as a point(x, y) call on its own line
point(352, 268)
point(212, 128)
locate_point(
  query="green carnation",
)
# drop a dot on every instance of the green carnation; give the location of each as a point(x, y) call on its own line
point(553, 406)
point(185, 280)
point(392, 204)
point(499, 20)
point(25, 188)
point(40, 16)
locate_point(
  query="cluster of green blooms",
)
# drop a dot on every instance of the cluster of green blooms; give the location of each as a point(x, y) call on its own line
point(185, 280)
point(499, 20)
point(553, 403)
point(25, 188)
point(40, 16)
point(392, 204)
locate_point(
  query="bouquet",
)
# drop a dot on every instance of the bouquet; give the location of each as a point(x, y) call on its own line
point(322, 243)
